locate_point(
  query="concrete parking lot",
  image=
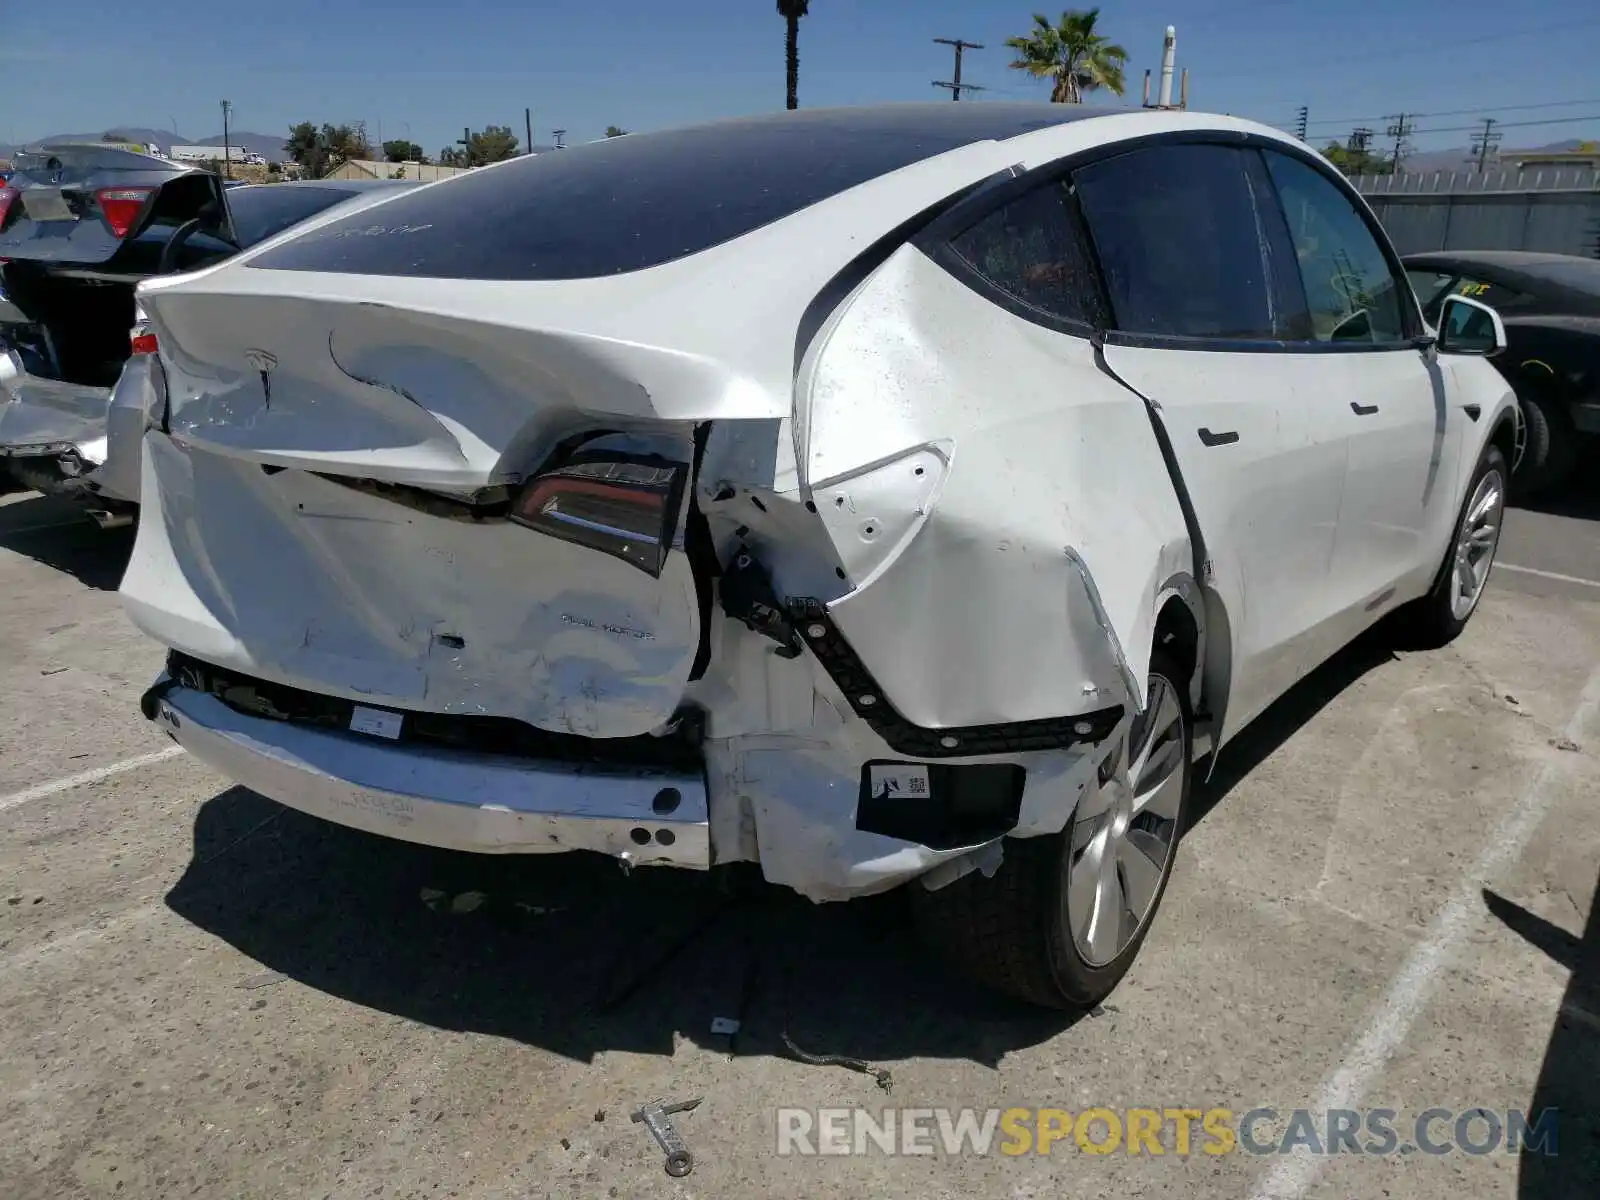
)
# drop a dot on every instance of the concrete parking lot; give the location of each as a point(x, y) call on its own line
point(1386, 903)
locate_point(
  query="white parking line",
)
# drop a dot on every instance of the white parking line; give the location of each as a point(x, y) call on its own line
point(28, 795)
point(1390, 1022)
point(1559, 578)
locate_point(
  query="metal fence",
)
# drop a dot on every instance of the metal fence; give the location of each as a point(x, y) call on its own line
point(1553, 209)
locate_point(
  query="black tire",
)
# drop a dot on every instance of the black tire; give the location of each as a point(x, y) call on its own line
point(1430, 622)
point(1551, 452)
point(1012, 931)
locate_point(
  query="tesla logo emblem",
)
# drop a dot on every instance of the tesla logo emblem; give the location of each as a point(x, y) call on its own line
point(262, 364)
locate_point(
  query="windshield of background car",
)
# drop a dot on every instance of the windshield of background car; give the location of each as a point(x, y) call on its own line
point(641, 200)
point(1430, 287)
point(268, 209)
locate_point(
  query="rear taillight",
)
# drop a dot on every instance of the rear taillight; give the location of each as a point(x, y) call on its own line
point(122, 207)
point(624, 507)
point(144, 343)
point(8, 198)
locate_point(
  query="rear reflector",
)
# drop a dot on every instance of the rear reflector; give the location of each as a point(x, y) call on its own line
point(624, 507)
point(122, 207)
point(144, 343)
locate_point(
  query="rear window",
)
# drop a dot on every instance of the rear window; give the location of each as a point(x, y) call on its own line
point(639, 201)
point(266, 210)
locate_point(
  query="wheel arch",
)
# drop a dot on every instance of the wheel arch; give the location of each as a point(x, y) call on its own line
point(1181, 630)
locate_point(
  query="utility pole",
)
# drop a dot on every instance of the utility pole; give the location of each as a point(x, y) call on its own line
point(527, 124)
point(558, 134)
point(1301, 123)
point(1484, 144)
point(227, 158)
point(955, 85)
point(1399, 129)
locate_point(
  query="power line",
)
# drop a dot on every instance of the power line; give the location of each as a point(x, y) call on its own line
point(954, 84)
point(1342, 122)
point(1399, 129)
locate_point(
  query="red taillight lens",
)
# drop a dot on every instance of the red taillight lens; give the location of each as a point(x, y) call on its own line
point(122, 207)
point(8, 199)
point(144, 343)
point(627, 508)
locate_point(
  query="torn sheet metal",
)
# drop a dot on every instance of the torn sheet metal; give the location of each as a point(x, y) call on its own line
point(1029, 588)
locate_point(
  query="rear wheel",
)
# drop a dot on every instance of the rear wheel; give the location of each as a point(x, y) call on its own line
point(1440, 616)
point(1063, 918)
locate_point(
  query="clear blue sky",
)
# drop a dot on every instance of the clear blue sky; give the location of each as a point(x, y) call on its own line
point(581, 64)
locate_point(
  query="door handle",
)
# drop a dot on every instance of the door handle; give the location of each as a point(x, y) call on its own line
point(1363, 410)
point(1226, 438)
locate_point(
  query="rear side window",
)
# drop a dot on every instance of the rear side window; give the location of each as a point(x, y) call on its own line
point(1030, 250)
point(267, 210)
point(1178, 242)
point(1351, 290)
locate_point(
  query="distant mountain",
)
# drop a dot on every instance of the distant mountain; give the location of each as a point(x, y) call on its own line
point(1424, 161)
point(269, 146)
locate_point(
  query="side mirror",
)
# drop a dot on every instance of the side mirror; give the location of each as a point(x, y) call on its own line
point(1468, 326)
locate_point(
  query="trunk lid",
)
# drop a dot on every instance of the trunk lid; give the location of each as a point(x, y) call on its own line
point(86, 204)
point(329, 504)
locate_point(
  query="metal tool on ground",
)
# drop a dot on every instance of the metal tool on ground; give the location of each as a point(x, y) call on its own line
point(881, 1075)
point(654, 1118)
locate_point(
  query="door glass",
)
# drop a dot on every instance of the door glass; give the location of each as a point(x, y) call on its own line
point(1030, 250)
point(1351, 290)
point(1179, 245)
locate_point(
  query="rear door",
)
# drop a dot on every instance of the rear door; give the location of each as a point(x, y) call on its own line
point(1201, 330)
point(1394, 394)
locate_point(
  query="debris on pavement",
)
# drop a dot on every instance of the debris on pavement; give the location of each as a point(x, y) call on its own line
point(654, 1116)
point(1565, 744)
point(265, 979)
point(882, 1075)
point(467, 902)
point(724, 1026)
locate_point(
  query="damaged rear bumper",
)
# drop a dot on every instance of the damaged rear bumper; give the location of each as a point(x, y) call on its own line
point(437, 797)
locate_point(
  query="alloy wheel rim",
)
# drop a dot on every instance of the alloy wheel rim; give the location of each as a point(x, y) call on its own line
point(1124, 832)
point(1476, 543)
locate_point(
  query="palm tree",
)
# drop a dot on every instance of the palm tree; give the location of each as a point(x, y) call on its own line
point(1072, 54)
point(791, 11)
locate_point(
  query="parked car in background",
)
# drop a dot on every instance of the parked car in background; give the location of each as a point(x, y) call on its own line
point(888, 495)
point(78, 230)
point(1550, 305)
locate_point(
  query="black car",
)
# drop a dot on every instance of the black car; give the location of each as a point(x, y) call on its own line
point(1550, 304)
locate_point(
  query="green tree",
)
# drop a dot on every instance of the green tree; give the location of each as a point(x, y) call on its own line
point(402, 150)
point(1070, 54)
point(304, 147)
point(495, 143)
point(615, 131)
point(1354, 159)
point(791, 11)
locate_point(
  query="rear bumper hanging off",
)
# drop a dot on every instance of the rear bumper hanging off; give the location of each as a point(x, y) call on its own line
point(437, 797)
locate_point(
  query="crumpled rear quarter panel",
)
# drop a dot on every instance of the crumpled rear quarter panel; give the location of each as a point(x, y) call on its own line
point(1030, 586)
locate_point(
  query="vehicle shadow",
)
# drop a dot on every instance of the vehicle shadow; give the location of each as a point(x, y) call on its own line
point(1580, 498)
point(567, 953)
point(1569, 1078)
point(58, 534)
point(1285, 716)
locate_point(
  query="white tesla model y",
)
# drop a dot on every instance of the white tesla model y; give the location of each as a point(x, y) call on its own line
point(892, 495)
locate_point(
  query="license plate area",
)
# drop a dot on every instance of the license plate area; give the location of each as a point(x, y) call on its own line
point(47, 206)
point(376, 722)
